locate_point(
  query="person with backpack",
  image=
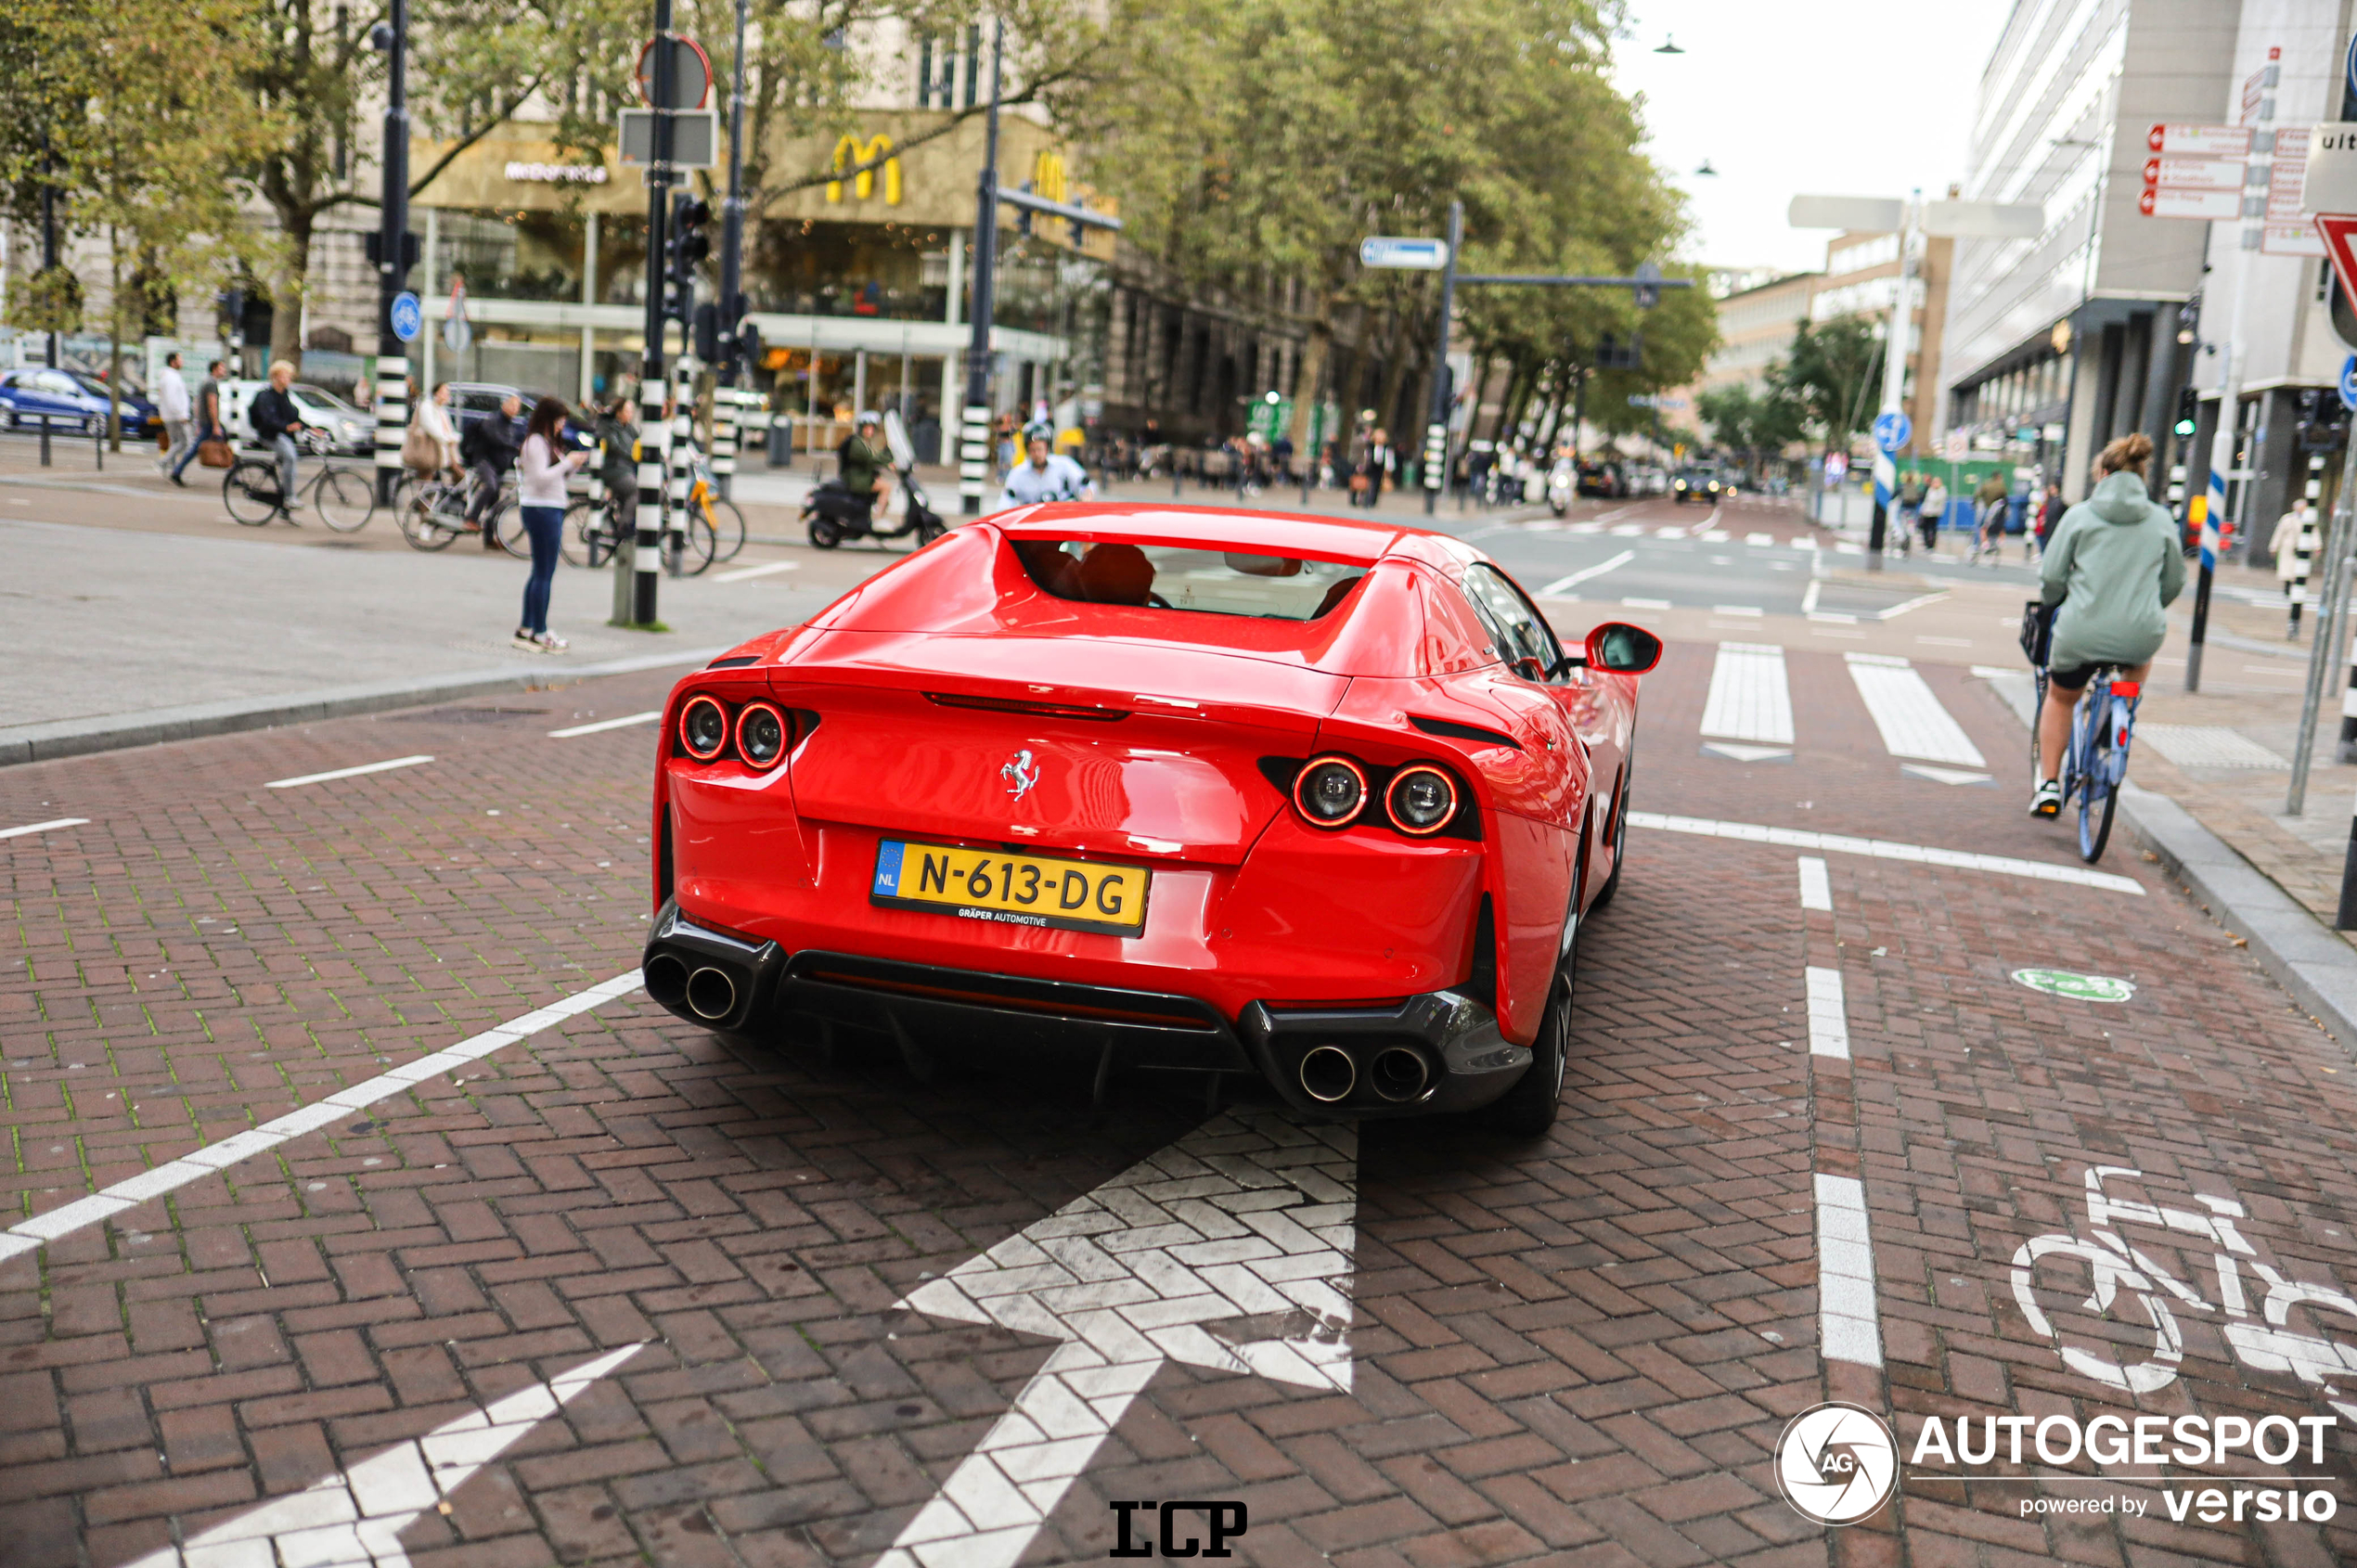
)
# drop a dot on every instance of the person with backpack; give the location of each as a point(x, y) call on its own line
point(489, 449)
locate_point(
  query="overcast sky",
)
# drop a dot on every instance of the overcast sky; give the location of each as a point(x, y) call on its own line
point(1837, 97)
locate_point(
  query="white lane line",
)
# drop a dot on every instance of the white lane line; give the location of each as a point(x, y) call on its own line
point(1582, 575)
point(1885, 849)
point(1736, 610)
point(1672, 532)
point(1808, 598)
point(1231, 1250)
point(82, 1213)
point(345, 773)
point(1916, 603)
point(356, 1516)
point(1828, 1014)
point(1760, 538)
point(765, 570)
point(1618, 511)
point(1816, 885)
point(1911, 721)
point(604, 725)
point(1750, 698)
point(1628, 529)
point(1645, 603)
point(49, 826)
point(1715, 536)
point(1848, 1325)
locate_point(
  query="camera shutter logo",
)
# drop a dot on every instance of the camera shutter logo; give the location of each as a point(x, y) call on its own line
point(1836, 1463)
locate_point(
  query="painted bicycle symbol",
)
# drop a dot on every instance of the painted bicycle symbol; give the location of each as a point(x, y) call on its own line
point(2266, 1340)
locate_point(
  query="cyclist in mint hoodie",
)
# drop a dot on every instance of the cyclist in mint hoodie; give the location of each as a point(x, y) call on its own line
point(2113, 565)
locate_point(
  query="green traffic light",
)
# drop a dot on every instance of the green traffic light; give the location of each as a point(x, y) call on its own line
point(2184, 427)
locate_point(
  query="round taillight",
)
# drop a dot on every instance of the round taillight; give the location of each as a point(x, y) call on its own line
point(1421, 800)
point(761, 735)
point(703, 728)
point(1329, 791)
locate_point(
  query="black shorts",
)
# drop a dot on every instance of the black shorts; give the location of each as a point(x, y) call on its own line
point(2076, 676)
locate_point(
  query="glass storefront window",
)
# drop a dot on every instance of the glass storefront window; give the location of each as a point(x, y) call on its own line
point(875, 270)
point(520, 255)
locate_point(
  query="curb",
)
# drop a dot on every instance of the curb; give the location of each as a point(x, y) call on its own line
point(77, 738)
point(2299, 951)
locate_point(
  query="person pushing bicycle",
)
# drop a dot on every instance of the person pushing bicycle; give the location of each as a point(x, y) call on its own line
point(2113, 567)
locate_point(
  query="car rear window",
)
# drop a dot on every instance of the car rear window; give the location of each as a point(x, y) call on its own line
point(1213, 582)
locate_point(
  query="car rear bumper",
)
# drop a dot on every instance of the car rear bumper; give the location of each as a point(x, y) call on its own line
point(1437, 1052)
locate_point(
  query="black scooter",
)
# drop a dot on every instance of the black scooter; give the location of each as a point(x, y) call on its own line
point(834, 513)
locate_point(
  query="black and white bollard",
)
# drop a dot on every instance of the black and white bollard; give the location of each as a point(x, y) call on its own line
point(654, 444)
point(392, 408)
point(2304, 549)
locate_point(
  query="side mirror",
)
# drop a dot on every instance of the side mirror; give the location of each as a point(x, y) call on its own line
point(1623, 648)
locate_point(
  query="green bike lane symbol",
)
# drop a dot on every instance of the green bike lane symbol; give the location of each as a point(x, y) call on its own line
point(2076, 987)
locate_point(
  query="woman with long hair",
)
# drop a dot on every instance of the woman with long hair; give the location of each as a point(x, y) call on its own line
point(543, 467)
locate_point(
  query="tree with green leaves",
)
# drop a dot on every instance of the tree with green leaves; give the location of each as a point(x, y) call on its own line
point(145, 109)
point(1755, 423)
point(1833, 371)
point(1300, 127)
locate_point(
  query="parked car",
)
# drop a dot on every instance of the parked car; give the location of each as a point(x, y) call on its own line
point(1698, 484)
point(1324, 803)
point(1599, 478)
point(72, 399)
point(353, 431)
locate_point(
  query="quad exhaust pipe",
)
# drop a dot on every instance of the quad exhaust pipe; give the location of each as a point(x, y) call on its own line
point(1328, 1074)
point(665, 978)
point(712, 994)
point(1398, 1074)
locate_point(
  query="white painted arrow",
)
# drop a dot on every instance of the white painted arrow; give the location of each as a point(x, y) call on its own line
point(1230, 1250)
point(354, 1519)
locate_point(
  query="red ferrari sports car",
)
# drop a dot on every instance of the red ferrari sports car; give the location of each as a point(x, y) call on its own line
point(1207, 792)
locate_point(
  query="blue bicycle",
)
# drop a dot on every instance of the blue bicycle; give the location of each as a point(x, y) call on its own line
point(2095, 765)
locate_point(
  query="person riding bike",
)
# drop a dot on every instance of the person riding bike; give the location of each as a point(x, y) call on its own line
point(863, 462)
point(1045, 476)
point(276, 422)
point(2113, 566)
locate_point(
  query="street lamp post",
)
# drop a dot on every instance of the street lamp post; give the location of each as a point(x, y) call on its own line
point(1436, 431)
point(732, 217)
point(392, 257)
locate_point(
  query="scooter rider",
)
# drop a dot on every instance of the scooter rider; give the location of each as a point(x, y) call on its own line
point(1045, 476)
point(863, 464)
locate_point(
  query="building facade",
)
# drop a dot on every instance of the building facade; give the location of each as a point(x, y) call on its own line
point(2056, 343)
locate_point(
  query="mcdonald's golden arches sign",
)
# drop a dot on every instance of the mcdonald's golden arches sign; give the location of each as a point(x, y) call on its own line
point(867, 158)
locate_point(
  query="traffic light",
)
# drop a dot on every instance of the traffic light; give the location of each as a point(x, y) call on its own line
point(685, 248)
point(1614, 354)
point(707, 333)
point(2322, 421)
point(749, 344)
point(2188, 411)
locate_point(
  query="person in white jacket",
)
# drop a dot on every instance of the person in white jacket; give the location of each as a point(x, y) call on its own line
point(2292, 543)
point(172, 407)
point(542, 468)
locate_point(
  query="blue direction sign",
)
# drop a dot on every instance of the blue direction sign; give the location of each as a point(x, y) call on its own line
point(408, 316)
point(1892, 430)
point(1395, 251)
point(2349, 383)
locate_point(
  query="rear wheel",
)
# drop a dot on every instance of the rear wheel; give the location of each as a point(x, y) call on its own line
point(250, 492)
point(727, 528)
point(584, 532)
point(1528, 1109)
point(2094, 817)
point(421, 524)
point(825, 533)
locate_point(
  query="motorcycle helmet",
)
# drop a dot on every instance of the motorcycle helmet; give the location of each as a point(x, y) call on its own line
point(865, 417)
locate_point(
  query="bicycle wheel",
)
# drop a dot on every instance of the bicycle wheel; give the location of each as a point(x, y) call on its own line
point(727, 526)
point(507, 523)
point(251, 491)
point(347, 500)
point(421, 524)
point(2117, 1356)
point(686, 550)
point(582, 533)
point(2094, 817)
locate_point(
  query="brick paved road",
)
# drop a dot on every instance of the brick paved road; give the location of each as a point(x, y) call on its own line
point(698, 1284)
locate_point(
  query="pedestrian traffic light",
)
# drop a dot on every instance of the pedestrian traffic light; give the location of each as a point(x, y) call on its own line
point(2322, 421)
point(684, 250)
point(707, 333)
point(749, 347)
point(2188, 410)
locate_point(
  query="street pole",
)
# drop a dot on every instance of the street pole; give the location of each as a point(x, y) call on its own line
point(732, 221)
point(654, 431)
point(1894, 384)
point(392, 257)
point(1437, 433)
point(48, 264)
point(2221, 440)
point(974, 451)
point(2324, 654)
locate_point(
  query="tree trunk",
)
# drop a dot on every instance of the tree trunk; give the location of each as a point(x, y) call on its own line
point(287, 287)
point(1395, 367)
point(1316, 349)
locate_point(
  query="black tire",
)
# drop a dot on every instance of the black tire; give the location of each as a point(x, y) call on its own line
point(727, 527)
point(825, 533)
point(418, 523)
point(1528, 1109)
point(584, 532)
point(251, 491)
point(2095, 822)
point(345, 500)
point(505, 522)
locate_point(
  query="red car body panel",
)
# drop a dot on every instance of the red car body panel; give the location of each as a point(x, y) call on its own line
point(1158, 737)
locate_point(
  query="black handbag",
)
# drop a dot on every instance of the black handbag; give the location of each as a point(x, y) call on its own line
point(2038, 631)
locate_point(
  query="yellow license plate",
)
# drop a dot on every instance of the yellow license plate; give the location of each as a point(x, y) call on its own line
point(1022, 890)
